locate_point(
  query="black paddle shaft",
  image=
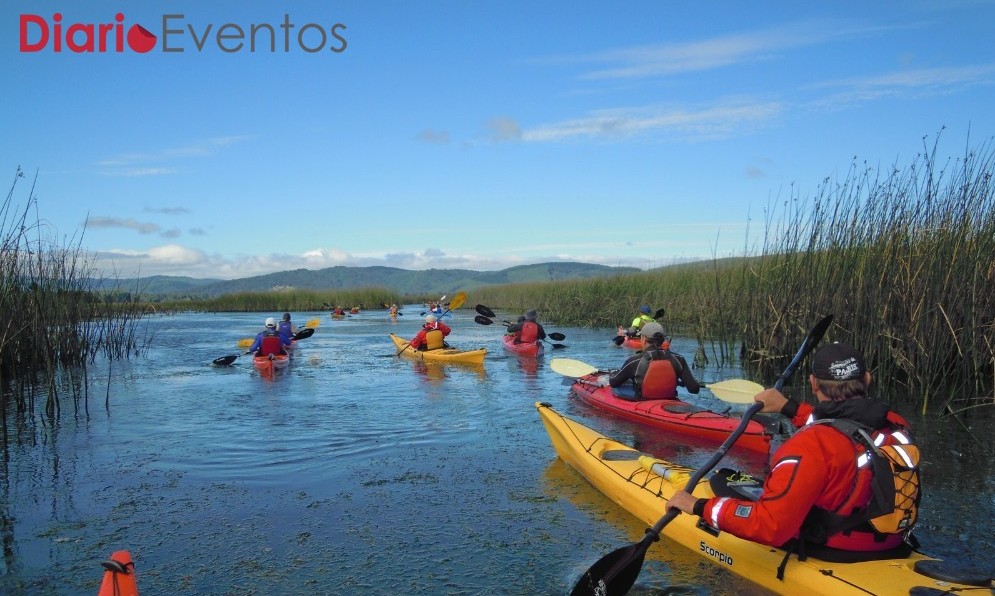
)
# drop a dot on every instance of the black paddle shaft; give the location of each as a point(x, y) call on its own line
point(617, 571)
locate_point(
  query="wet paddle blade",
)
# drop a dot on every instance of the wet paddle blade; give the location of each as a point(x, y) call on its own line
point(304, 333)
point(457, 301)
point(614, 573)
point(618, 340)
point(659, 314)
point(555, 336)
point(569, 367)
point(225, 360)
point(735, 391)
point(480, 308)
point(482, 320)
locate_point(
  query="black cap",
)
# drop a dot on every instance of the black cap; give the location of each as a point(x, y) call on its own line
point(838, 362)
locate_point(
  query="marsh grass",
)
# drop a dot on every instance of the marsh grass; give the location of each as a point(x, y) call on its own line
point(904, 258)
point(289, 300)
point(51, 325)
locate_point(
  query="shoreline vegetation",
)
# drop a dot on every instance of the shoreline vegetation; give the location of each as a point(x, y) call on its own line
point(904, 257)
point(52, 327)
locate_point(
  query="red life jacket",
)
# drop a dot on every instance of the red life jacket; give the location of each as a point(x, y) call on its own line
point(656, 377)
point(529, 333)
point(271, 344)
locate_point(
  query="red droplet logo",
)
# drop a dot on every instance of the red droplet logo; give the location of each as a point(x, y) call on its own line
point(140, 39)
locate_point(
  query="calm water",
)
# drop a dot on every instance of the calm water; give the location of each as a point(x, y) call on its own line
point(355, 472)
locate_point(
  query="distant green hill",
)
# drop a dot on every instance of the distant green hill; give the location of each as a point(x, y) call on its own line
point(404, 281)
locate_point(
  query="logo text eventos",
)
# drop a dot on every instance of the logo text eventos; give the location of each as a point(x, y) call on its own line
point(36, 32)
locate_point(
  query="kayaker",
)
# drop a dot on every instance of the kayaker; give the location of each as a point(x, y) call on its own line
point(815, 479)
point(269, 341)
point(528, 329)
point(432, 334)
point(655, 371)
point(642, 317)
point(286, 329)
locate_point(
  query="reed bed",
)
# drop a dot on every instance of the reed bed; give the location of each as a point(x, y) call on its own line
point(289, 300)
point(51, 325)
point(904, 258)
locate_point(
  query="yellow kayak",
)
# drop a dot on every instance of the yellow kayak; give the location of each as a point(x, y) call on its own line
point(441, 355)
point(615, 470)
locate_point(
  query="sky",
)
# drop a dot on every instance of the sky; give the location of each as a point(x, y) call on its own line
point(455, 134)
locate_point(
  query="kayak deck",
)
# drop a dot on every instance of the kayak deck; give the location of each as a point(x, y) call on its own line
point(672, 415)
point(613, 468)
point(440, 355)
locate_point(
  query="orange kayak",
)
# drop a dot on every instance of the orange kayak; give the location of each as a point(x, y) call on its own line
point(119, 576)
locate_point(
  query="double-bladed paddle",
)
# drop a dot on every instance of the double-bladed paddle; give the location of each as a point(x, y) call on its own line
point(486, 316)
point(736, 391)
point(440, 302)
point(617, 571)
point(620, 339)
point(456, 302)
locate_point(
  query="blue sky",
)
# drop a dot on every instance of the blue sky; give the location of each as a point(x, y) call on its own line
point(471, 134)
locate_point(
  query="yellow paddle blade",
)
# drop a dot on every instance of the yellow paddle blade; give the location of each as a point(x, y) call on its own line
point(735, 391)
point(457, 301)
point(245, 343)
point(568, 367)
point(312, 323)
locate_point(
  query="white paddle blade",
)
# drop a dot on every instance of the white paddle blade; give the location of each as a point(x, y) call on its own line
point(569, 367)
point(735, 391)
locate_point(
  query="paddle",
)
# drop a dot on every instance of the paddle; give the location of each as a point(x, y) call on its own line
point(620, 339)
point(617, 571)
point(736, 391)
point(225, 360)
point(486, 314)
point(440, 302)
point(304, 333)
point(456, 302)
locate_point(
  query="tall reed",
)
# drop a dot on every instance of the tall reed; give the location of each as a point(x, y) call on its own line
point(50, 323)
point(903, 257)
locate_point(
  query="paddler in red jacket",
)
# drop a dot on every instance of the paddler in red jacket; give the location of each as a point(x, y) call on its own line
point(528, 330)
point(815, 472)
point(432, 335)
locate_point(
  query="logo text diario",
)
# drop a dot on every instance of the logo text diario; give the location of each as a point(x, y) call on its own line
point(178, 35)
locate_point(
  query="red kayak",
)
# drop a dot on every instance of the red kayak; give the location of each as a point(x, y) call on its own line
point(672, 415)
point(525, 348)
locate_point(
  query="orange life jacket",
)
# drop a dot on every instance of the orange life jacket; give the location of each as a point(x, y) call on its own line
point(656, 377)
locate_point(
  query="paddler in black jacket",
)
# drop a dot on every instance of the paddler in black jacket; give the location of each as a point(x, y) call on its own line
point(655, 372)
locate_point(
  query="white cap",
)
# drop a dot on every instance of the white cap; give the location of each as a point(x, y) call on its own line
point(270, 322)
point(431, 319)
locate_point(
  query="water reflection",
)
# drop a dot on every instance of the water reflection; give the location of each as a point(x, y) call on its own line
point(356, 471)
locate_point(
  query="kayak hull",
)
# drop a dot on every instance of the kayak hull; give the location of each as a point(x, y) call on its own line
point(644, 494)
point(271, 364)
point(673, 416)
point(119, 576)
point(522, 349)
point(441, 355)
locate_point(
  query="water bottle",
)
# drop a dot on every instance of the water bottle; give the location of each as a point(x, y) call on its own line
point(675, 477)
